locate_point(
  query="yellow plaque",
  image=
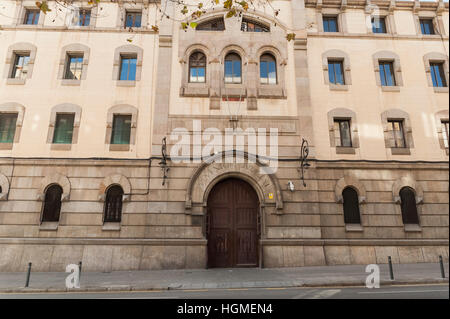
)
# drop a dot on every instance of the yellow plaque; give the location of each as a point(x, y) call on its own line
point(270, 195)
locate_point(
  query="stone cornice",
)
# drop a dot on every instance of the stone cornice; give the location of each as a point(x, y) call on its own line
point(385, 4)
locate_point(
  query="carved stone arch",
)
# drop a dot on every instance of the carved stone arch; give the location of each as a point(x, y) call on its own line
point(55, 179)
point(209, 174)
point(353, 182)
point(407, 181)
point(193, 48)
point(116, 179)
point(279, 56)
point(233, 48)
point(4, 187)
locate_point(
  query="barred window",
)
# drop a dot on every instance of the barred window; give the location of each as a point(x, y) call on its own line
point(212, 25)
point(52, 204)
point(253, 26)
point(113, 204)
point(408, 206)
point(351, 206)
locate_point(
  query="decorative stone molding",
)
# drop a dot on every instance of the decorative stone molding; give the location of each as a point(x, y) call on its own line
point(388, 56)
point(439, 117)
point(74, 48)
point(440, 58)
point(209, 174)
point(337, 55)
point(407, 181)
point(382, 11)
point(121, 109)
point(65, 108)
point(327, 11)
point(52, 179)
point(342, 113)
point(19, 16)
point(19, 48)
point(272, 90)
point(19, 109)
point(420, 13)
point(396, 114)
point(111, 180)
point(127, 50)
point(132, 6)
point(195, 89)
point(350, 181)
point(4, 187)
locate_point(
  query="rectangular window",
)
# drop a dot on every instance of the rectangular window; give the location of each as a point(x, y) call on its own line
point(398, 135)
point(335, 72)
point(7, 127)
point(63, 129)
point(387, 73)
point(330, 24)
point(232, 71)
point(445, 132)
point(84, 18)
point(197, 75)
point(426, 25)
point(133, 19)
point(342, 131)
point(438, 75)
point(74, 67)
point(121, 129)
point(31, 17)
point(20, 67)
point(379, 25)
point(127, 68)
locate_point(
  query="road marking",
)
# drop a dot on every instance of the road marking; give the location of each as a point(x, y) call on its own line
point(275, 288)
point(234, 289)
point(192, 290)
point(400, 291)
point(324, 294)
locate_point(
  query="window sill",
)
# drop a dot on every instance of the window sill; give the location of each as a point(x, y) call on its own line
point(3, 196)
point(440, 89)
point(6, 146)
point(11, 81)
point(353, 227)
point(390, 88)
point(345, 150)
point(70, 82)
point(338, 87)
point(234, 90)
point(119, 147)
point(111, 226)
point(125, 83)
point(48, 226)
point(400, 151)
point(271, 92)
point(412, 228)
point(61, 147)
point(195, 90)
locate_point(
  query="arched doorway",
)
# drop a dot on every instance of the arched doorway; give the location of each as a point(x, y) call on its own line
point(232, 227)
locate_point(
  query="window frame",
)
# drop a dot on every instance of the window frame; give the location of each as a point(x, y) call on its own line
point(431, 23)
point(107, 218)
point(127, 57)
point(394, 137)
point(441, 72)
point(384, 24)
point(333, 62)
point(57, 202)
point(12, 126)
point(82, 15)
point(233, 62)
point(197, 67)
point(134, 14)
point(382, 66)
point(327, 17)
point(17, 56)
point(339, 121)
point(26, 16)
point(409, 217)
point(114, 128)
point(59, 117)
point(220, 23)
point(352, 217)
point(245, 21)
point(68, 65)
point(270, 59)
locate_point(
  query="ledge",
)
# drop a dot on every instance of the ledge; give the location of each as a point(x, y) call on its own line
point(400, 151)
point(440, 89)
point(338, 87)
point(6, 146)
point(345, 150)
point(390, 88)
point(353, 228)
point(412, 228)
point(70, 82)
point(125, 83)
point(49, 226)
point(195, 90)
point(11, 81)
point(61, 147)
point(119, 147)
point(271, 92)
point(111, 226)
point(104, 241)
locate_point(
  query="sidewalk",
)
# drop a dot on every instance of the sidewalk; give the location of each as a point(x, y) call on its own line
point(319, 276)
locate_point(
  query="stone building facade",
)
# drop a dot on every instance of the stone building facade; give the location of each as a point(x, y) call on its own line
point(180, 213)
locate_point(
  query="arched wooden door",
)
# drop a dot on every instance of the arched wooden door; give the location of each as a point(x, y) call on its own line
point(232, 225)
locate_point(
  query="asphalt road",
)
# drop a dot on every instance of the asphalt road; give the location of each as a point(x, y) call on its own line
point(388, 292)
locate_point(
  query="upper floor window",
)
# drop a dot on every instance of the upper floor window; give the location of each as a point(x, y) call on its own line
point(268, 69)
point(398, 134)
point(330, 24)
point(113, 204)
point(426, 26)
point(7, 127)
point(233, 72)
point(342, 131)
point(351, 206)
point(387, 76)
point(437, 74)
point(52, 204)
point(197, 67)
point(74, 67)
point(133, 19)
point(20, 67)
point(84, 18)
point(379, 25)
point(127, 68)
point(335, 72)
point(251, 26)
point(121, 129)
point(31, 16)
point(408, 206)
point(212, 25)
point(445, 132)
point(63, 129)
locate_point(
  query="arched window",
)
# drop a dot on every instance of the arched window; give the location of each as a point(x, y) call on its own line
point(113, 204)
point(408, 206)
point(197, 67)
point(217, 24)
point(233, 72)
point(267, 69)
point(52, 203)
point(351, 206)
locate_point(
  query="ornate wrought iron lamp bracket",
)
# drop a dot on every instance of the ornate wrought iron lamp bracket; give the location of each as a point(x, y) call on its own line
point(163, 162)
point(304, 152)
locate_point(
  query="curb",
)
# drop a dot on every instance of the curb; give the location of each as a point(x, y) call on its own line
point(180, 287)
